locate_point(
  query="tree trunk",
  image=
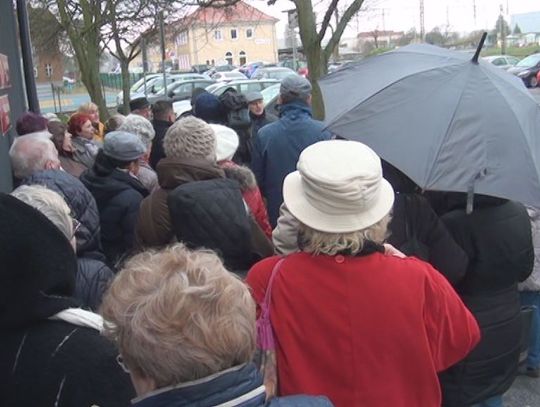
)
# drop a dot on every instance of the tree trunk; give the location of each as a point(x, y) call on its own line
point(317, 69)
point(91, 80)
point(124, 66)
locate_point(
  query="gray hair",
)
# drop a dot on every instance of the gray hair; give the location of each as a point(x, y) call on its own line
point(317, 242)
point(140, 126)
point(178, 315)
point(30, 153)
point(49, 203)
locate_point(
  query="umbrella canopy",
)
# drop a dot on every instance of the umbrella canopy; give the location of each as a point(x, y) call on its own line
point(449, 123)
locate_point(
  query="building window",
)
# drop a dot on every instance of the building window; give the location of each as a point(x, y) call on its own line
point(242, 57)
point(217, 35)
point(182, 39)
point(234, 34)
point(228, 57)
point(213, 62)
point(249, 33)
point(48, 70)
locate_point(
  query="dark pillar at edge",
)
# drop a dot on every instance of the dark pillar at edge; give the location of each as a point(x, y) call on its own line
point(26, 51)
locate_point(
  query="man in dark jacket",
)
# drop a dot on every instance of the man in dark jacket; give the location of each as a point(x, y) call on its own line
point(497, 239)
point(259, 116)
point(118, 193)
point(163, 117)
point(278, 145)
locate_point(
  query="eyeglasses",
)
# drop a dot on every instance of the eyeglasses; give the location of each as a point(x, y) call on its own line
point(76, 225)
point(120, 361)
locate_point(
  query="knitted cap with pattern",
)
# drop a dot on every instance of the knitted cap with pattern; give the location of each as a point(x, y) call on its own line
point(190, 138)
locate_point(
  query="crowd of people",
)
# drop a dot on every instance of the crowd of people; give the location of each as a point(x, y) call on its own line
point(233, 257)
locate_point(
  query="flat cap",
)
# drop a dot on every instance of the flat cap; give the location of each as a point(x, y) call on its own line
point(253, 96)
point(295, 86)
point(123, 146)
point(138, 103)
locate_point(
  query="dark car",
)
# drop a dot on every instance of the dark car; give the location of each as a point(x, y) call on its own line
point(180, 90)
point(200, 68)
point(527, 69)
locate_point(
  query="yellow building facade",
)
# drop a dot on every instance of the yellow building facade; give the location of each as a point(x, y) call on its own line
point(235, 35)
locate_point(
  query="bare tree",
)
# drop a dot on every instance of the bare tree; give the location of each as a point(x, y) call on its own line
point(312, 36)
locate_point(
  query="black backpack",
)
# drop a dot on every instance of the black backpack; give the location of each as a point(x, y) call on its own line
point(237, 109)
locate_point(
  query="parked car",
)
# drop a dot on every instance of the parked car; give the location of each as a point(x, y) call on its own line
point(200, 68)
point(218, 88)
point(527, 69)
point(180, 90)
point(156, 84)
point(502, 61)
point(272, 73)
point(249, 68)
point(220, 68)
point(300, 67)
point(228, 76)
point(270, 98)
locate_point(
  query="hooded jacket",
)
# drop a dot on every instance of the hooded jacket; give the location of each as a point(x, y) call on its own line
point(42, 361)
point(93, 275)
point(118, 196)
point(277, 147)
point(154, 228)
point(251, 193)
point(157, 152)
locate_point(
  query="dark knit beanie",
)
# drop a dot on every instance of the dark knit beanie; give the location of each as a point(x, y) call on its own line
point(209, 108)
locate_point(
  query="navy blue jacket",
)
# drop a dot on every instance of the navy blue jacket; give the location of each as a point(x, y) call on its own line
point(240, 386)
point(276, 149)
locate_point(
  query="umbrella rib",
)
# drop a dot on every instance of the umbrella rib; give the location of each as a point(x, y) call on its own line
point(436, 156)
point(495, 85)
point(384, 88)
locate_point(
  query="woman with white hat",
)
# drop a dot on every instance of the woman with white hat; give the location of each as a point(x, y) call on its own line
point(352, 321)
point(227, 142)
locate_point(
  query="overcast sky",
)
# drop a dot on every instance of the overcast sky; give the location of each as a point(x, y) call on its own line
point(401, 15)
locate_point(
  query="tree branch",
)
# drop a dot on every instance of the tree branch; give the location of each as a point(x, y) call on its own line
point(345, 18)
point(326, 19)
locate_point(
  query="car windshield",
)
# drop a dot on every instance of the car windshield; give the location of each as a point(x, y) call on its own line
point(530, 61)
point(270, 93)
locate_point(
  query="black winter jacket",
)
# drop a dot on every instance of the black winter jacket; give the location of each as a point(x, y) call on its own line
point(118, 196)
point(212, 214)
point(258, 122)
point(45, 362)
point(93, 275)
point(497, 239)
point(157, 152)
point(93, 278)
point(416, 230)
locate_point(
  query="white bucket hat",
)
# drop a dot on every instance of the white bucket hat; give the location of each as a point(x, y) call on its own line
point(226, 142)
point(338, 187)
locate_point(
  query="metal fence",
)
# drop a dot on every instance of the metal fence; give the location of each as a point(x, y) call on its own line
point(114, 80)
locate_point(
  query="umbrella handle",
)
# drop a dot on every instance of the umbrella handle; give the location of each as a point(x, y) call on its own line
point(479, 48)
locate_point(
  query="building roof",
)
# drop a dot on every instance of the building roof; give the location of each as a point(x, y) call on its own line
point(239, 12)
point(527, 22)
point(380, 33)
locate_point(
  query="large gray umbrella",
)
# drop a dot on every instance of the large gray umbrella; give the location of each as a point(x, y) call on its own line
point(448, 122)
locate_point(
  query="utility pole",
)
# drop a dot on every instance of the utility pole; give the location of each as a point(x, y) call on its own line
point(162, 40)
point(502, 31)
point(474, 12)
point(422, 27)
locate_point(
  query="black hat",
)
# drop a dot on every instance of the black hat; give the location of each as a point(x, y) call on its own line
point(37, 264)
point(138, 103)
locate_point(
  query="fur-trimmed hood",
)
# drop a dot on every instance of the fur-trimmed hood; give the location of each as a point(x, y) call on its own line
point(243, 175)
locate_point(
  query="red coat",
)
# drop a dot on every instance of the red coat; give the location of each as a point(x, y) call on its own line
point(365, 331)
